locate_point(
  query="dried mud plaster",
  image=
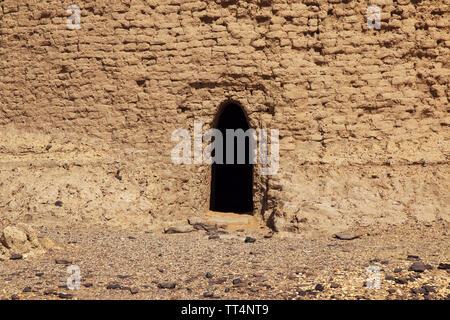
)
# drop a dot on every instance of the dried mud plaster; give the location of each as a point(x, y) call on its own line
point(363, 114)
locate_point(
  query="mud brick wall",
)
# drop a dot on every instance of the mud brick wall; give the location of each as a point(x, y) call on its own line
point(363, 114)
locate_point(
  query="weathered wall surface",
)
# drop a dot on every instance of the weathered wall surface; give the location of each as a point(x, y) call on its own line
point(363, 114)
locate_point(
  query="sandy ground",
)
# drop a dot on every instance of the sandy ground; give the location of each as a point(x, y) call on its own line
point(141, 264)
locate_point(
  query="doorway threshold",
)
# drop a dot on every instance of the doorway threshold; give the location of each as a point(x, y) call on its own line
point(235, 221)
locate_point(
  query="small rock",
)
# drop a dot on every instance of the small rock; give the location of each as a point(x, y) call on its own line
point(58, 203)
point(39, 274)
point(208, 295)
point(27, 289)
point(249, 240)
point(134, 290)
point(219, 281)
point(179, 229)
point(347, 235)
point(401, 280)
point(113, 286)
point(49, 292)
point(413, 258)
point(261, 279)
point(208, 275)
point(398, 270)
point(16, 256)
point(392, 291)
point(62, 261)
point(167, 285)
point(15, 239)
point(301, 293)
point(444, 266)
point(236, 281)
point(428, 288)
point(418, 291)
point(335, 285)
point(15, 297)
point(214, 237)
point(311, 293)
point(88, 285)
point(419, 267)
point(242, 284)
point(65, 295)
point(319, 287)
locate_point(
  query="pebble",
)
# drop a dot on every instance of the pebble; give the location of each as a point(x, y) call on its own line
point(347, 235)
point(113, 286)
point(418, 291)
point(167, 285)
point(65, 295)
point(392, 291)
point(16, 256)
point(428, 288)
point(219, 281)
point(62, 261)
point(319, 287)
point(401, 280)
point(49, 292)
point(249, 240)
point(134, 290)
point(444, 266)
point(419, 267)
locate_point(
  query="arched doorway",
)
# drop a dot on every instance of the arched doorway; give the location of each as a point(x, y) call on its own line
point(232, 183)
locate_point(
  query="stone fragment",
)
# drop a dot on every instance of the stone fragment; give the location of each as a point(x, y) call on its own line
point(113, 286)
point(65, 295)
point(419, 267)
point(15, 239)
point(347, 235)
point(319, 287)
point(167, 285)
point(249, 240)
point(444, 266)
point(16, 256)
point(179, 229)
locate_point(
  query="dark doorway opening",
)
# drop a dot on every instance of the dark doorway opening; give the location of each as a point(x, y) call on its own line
point(232, 184)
